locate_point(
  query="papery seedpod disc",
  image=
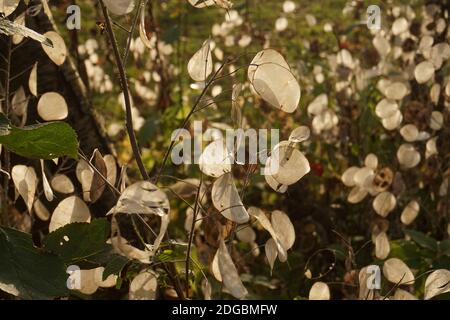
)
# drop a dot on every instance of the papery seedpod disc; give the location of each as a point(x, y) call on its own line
point(255, 249)
point(318, 105)
point(300, 134)
point(396, 91)
point(218, 53)
point(383, 179)
point(267, 56)
point(19, 102)
point(206, 289)
point(214, 269)
point(109, 282)
point(424, 71)
point(431, 148)
point(364, 177)
point(289, 6)
point(58, 52)
point(81, 166)
point(357, 194)
point(186, 188)
point(287, 164)
point(281, 24)
point(382, 246)
point(410, 212)
point(384, 203)
point(111, 169)
point(165, 220)
point(399, 26)
point(423, 135)
point(344, 57)
point(122, 247)
point(143, 286)
point(397, 272)
point(408, 156)
point(71, 209)
point(386, 108)
point(267, 225)
point(348, 177)
point(438, 282)
point(283, 228)
point(142, 197)
point(52, 106)
point(308, 274)
point(226, 199)
point(41, 211)
point(270, 248)
point(383, 84)
point(98, 184)
point(142, 31)
point(393, 122)
point(225, 4)
point(440, 52)
point(319, 291)
point(8, 6)
point(189, 219)
point(435, 92)
point(436, 120)
point(272, 79)
point(371, 161)
point(25, 181)
point(48, 192)
point(216, 91)
point(62, 184)
point(401, 294)
point(215, 159)
point(120, 7)
point(86, 184)
point(274, 184)
point(32, 81)
point(230, 277)
point(426, 42)
point(382, 45)
point(246, 234)
point(409, 132)
point(86, 278)
point(310, 20)
point(364, 292)
point(200, 66)
point(325, 121)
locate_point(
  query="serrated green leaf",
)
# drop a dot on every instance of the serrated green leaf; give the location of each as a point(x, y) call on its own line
point(41, 141)
point(78, 241)
point(28, 272)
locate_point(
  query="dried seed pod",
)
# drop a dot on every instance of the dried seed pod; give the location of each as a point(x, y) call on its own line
point(383, 179)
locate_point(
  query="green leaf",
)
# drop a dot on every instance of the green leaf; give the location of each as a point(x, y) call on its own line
point(408, 251)
point(28, 272)
point(115, 266)
point(78, 241)
point(41, 141)
point(422, 239)
point(444, 247)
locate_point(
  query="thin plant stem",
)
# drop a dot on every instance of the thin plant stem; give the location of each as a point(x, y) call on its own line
point(126, 92)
